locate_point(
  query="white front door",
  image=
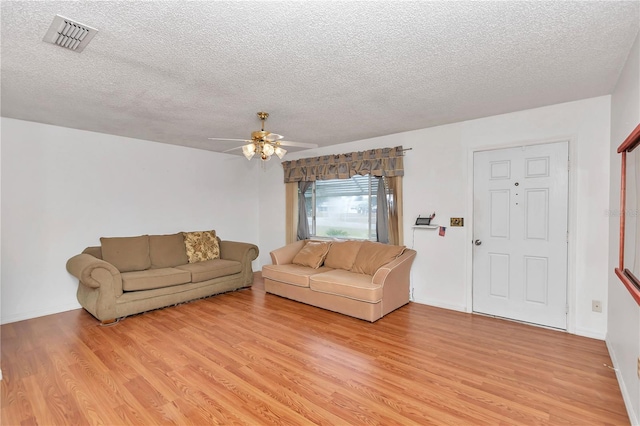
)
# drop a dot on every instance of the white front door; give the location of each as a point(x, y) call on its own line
point(520, 233)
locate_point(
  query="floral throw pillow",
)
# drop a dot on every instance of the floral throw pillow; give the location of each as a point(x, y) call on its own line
point(201, 246)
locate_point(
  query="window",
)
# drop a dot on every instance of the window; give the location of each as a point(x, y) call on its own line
point(335, 203)
point(343, 208)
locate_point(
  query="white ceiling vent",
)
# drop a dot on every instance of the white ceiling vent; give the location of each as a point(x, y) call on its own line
point(69, 34)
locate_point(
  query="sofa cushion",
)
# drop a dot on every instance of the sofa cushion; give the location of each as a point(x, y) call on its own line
point(127, 253)
point(201, 246)
point(297, 275)
point(312, 254)
point(166, 251)
point(210, 269)
point(342, 254)
point(347, 284)
point(154, 278)
point(372, 256)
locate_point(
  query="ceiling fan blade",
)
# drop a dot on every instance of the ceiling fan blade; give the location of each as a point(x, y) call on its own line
point(229, 139)
point(272, 137)
point(232, 149)
point(298, 144)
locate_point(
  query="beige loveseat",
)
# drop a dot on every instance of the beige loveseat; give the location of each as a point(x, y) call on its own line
point(362, 279)
point(129, 275)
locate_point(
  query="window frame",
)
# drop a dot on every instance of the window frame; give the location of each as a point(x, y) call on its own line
point(371, 194)
point(625, 275)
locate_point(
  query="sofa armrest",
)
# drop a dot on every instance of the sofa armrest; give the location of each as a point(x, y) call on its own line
point(100, 285)
point(85, 267)
point(395, 280)
point(395, 271)
point(284, 255)
point(244, 253)
point(234, 250)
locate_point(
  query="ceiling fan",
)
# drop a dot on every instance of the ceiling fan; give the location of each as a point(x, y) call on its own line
point(264, 143)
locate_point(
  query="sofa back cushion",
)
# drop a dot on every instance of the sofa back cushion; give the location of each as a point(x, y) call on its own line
point(166, 251)
point(372, 256)
point(312, 254)
point(127, 253)
point(342, 254)
point(201, 246)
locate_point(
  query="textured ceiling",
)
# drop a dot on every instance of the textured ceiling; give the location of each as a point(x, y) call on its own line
point(327, 72)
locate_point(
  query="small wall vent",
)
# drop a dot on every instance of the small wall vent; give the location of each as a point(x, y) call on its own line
point(69, 34)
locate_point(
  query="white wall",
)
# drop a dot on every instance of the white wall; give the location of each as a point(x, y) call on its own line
point(623, 336)
point(63, 189)
point(1, 228)
point(437, 178)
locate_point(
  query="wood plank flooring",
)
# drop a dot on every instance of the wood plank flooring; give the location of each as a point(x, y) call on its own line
point(251, 358)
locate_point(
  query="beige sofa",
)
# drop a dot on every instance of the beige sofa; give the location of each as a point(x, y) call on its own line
point(362, 279)
point(129, 275)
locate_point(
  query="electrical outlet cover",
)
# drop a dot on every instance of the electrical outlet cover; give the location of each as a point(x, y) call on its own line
point(596, 306)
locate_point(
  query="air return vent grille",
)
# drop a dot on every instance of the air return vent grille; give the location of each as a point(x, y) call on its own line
point(69, 34)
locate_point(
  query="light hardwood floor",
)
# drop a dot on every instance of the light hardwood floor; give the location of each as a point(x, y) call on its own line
point(251, 358)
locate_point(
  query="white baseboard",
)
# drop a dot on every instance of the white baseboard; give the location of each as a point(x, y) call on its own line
point(439, 304)
point(590, 333)
point(38, 313)
point(633, 416)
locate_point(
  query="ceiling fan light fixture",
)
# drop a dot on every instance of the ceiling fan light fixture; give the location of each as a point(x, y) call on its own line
point(280, 152)
point(268, 149)
point(249, 150)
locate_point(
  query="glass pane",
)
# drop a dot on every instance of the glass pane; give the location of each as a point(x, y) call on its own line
point(345, 209)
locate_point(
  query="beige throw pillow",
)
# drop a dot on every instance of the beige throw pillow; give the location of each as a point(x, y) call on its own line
point(201, 246)
point(342, 255)
point(127, 253)
point(372, 256)
point(167, 251)
point(312, 254)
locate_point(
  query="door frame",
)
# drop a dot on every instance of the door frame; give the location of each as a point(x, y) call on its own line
point(571, 223)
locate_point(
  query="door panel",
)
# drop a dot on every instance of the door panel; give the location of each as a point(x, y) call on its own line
point(537, 167)
point(536, 279)
point(520, 220)
point(499, 214)
point(536, 214)
point(500, 169)
point(499, 270)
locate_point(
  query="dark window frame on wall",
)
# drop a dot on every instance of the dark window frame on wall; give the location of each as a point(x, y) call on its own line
point(628, 278)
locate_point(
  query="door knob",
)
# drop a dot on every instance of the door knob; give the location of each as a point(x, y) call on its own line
point(477, 242)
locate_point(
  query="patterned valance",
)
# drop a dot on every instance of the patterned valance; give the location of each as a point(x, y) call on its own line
point(378, 162)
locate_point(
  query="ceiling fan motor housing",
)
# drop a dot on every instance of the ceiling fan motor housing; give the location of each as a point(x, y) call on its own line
point(259, 135)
